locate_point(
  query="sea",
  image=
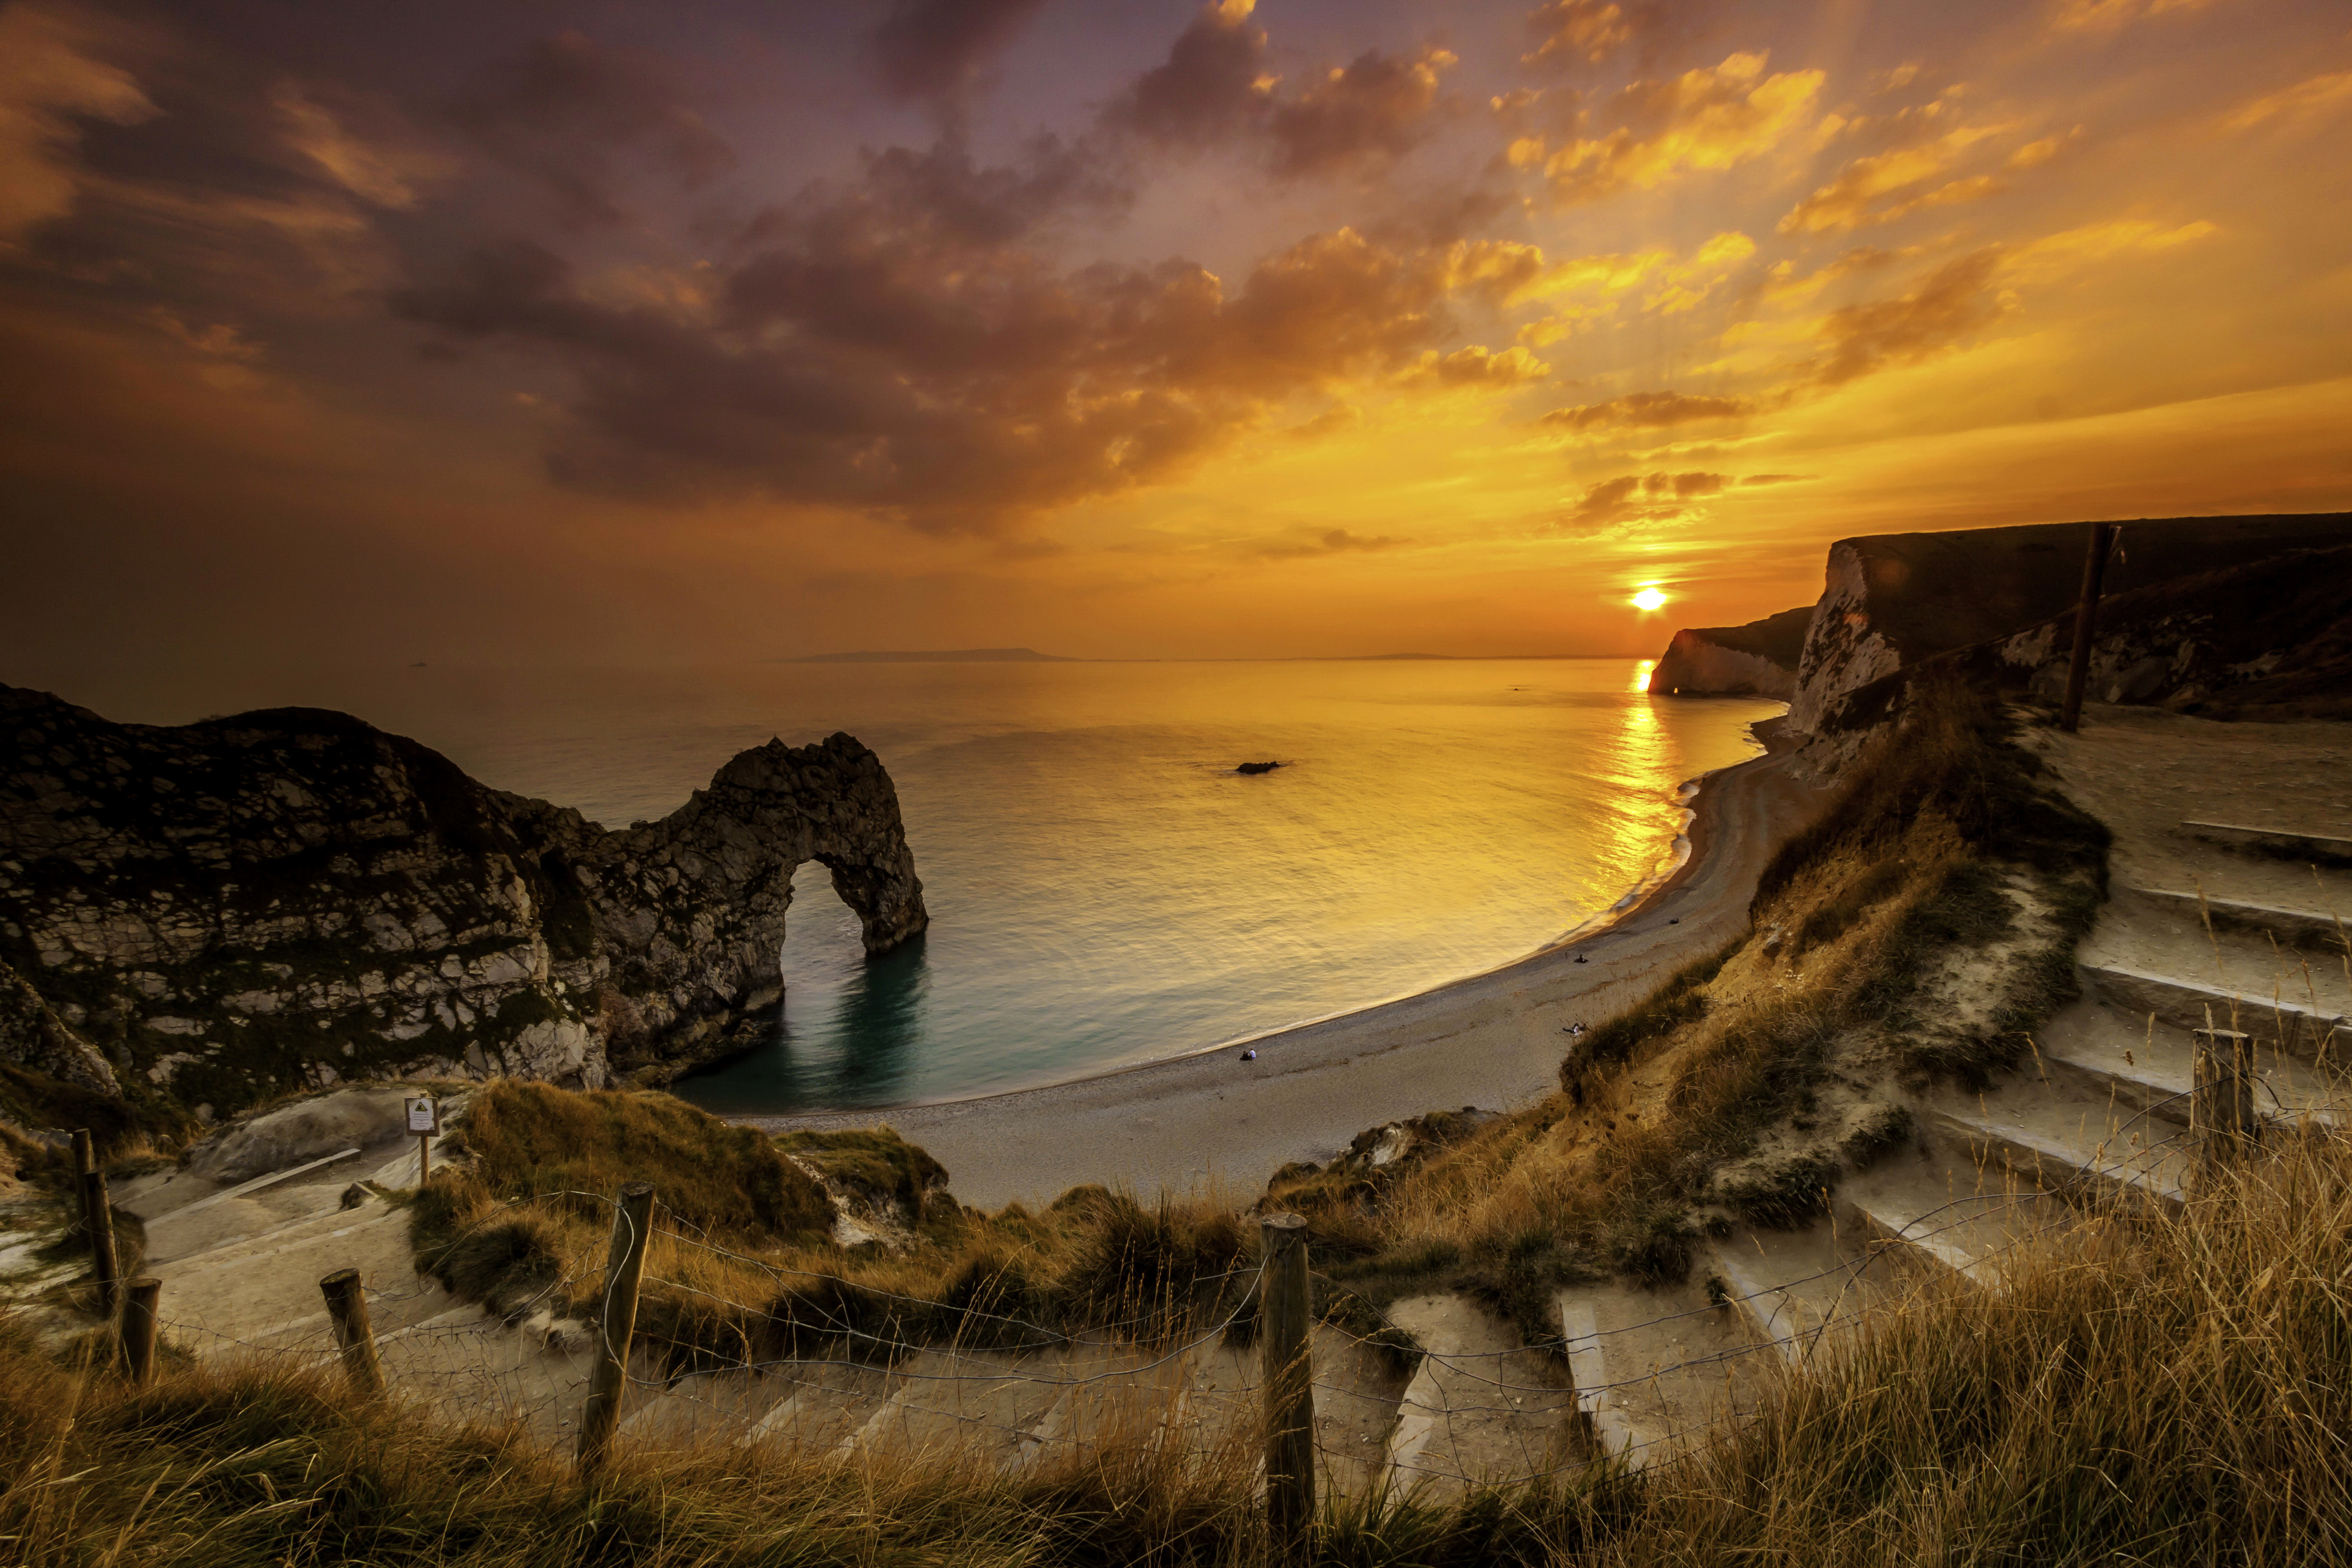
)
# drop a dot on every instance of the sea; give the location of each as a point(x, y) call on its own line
point(1104, 888)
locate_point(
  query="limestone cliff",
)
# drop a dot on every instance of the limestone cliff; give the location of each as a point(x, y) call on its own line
point(222, 911)
point(1891, 601)
point(1759, 659)
point(2268, 639)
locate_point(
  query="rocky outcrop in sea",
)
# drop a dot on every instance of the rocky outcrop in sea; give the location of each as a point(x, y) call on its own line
point(217, 913)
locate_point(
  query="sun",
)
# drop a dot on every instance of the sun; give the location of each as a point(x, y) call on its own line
point(1648, 599)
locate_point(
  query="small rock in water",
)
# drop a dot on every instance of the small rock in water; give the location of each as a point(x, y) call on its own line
point(1257, 767)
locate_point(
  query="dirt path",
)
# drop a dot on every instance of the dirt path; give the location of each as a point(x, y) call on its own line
point(1491, 1040)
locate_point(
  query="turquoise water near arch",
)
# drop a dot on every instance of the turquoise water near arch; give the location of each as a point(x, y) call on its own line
point(1104, 888)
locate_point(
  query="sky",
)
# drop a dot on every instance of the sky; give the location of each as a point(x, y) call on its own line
point(522, 332)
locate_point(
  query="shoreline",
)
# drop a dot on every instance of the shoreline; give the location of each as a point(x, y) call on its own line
point(1490, 1039)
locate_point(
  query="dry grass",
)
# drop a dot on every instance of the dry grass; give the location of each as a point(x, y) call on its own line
point(732, 1280)
point(2181, 1397)
point(2173, 1391)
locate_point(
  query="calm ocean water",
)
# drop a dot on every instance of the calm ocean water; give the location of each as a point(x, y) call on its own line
point(1104, 888)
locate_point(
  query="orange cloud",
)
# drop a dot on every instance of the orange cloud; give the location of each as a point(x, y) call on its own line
point(48, 78)
point(1845, 202)
point(1706, 118)
point(1958, 299)
point(2106, 15)
point(2319, 95)
point(1597, 285)
point(382, 172)
point(1590, 30)
point(1332, 542)
point(2055, 254)
point(1475, 366)
point(1649, 409)
point(1614, 508)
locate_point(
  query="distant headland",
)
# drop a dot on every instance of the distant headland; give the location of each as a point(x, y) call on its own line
point(937, 655)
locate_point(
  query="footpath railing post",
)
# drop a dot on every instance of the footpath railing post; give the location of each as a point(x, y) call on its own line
point(2086, 621)
point(2221, 1098)
point(1289, 1375)
point(138, 1330)
point(632, 1222)
point(347, 1304)
point(98, 1219)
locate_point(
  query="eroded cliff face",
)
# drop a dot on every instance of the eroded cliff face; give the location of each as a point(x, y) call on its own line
point(292, 898)
point(1759, 659)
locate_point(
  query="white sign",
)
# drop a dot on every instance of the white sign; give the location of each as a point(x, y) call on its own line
point(424, 1116)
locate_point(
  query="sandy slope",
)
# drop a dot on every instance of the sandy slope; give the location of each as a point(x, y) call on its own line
point(1491, 1040)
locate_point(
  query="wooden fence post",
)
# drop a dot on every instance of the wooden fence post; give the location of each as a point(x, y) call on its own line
point(98, 1219)
point(2221, 1099)
point(625, 1268)
point(138, 1330)
point(1290, 1373)
point(347, 1304)
point(2086, 619)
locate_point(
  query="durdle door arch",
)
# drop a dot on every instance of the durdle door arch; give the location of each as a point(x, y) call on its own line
point(293, 898)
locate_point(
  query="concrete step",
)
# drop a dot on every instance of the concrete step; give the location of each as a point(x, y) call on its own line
point(237, 1227)
point(1793, 1289)
point(468, 1367)
point(2146, 938)
point(2145, 1065)
point(1358, 1391)
point(1965, 1238)
point(1481, 1408)
point(2318, 848)
point(973, 1408)
point(265, 1291)
point(1974, 1185)
point(1107, 1396)
point(719, 1406)
point(1653, 1367)
point(1219, 1403)
point(985, 1410)
point(1613, 1430)
point(2081, 1152)
point(2292, 925)
point(2315, 1033)
point(815, 1405)
point(291, 1235)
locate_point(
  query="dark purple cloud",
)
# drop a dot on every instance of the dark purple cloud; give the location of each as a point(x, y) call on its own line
point(1212, 87)
point(874, 356)
point(935, 49)
point(571, 114)
point(1372, 111)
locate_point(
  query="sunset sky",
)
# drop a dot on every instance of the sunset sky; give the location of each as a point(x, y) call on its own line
point(517, 330)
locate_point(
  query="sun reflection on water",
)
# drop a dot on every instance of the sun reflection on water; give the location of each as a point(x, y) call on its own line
point(1642, 674)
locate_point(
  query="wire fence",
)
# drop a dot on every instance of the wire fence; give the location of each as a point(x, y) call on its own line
point(1176, 1374)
